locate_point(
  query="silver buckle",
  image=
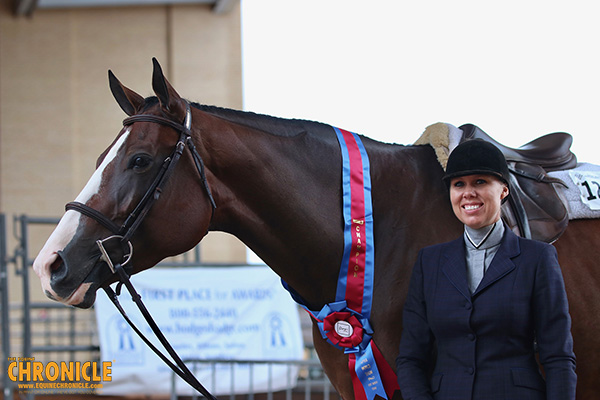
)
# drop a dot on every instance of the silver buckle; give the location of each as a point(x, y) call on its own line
point(106, 258)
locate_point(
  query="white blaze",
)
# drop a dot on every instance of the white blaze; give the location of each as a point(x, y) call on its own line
point(66, 228)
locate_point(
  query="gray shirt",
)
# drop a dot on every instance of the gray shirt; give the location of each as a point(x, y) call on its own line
point(481, 247)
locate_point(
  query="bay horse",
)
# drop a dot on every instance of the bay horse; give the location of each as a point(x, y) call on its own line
point(276, 186)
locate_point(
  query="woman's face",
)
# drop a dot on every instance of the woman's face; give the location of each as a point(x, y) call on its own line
point(476, 199)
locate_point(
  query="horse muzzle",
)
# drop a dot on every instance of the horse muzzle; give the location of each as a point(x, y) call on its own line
point(68, 285)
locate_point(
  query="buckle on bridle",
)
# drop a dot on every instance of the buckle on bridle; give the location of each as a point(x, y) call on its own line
point(104, 253)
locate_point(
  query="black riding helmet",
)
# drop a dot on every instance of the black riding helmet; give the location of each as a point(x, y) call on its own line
point(476, 157)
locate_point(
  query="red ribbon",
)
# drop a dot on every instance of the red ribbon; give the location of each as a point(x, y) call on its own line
point(356, 268)
point(387, 374)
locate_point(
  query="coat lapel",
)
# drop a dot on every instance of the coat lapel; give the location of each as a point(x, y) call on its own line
point(502, 263)
point(455, 266)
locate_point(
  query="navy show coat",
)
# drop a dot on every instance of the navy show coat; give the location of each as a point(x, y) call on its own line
point(485, 340)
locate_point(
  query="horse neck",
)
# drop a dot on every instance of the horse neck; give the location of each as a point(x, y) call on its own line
point(275, 194)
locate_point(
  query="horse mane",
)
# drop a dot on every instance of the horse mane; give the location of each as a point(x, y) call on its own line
point(276, 126)
point(272, 125)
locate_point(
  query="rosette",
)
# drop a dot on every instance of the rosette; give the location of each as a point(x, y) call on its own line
point(343, 329)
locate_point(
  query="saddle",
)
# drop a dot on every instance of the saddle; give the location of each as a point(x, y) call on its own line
point(535, 208)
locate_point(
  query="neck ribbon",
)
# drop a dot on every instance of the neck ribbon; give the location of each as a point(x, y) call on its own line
point(345, 322)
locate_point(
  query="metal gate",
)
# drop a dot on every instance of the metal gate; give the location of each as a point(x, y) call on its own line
point(4, 309)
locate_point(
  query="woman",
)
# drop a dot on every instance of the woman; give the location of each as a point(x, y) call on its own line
point(476, 305)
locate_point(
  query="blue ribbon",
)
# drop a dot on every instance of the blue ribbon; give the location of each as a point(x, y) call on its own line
point(368, 374)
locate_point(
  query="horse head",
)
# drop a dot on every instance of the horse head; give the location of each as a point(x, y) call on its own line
point(131, 174)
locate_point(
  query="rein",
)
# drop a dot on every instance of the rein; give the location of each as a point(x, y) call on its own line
point(124, 233)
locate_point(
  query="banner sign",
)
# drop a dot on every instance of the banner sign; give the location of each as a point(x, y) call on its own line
point(229, 313)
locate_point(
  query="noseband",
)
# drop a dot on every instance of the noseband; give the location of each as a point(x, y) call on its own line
point(124, 233)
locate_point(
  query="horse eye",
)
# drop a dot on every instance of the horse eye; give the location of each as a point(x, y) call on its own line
point(140, 162)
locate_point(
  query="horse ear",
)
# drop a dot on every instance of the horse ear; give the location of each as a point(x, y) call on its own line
point(129, 100)
point(167, 96)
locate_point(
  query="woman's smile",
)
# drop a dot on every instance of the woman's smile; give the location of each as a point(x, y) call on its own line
point(472, 207)
point(476, 199)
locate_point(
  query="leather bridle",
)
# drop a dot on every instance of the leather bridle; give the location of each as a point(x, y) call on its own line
point(135, 218)
point(125, 232)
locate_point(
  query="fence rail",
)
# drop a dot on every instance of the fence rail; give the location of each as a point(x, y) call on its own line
point(312, 382)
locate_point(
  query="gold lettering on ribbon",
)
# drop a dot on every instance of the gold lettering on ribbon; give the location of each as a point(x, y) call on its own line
point(358, 246)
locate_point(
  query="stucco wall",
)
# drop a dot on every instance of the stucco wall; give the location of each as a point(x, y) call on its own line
point(57, 113)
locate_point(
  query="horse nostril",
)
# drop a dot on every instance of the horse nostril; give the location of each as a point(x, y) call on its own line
point(55, 266)
point(58, 269)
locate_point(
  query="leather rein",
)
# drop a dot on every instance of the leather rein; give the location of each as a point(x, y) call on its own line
point(124, 233)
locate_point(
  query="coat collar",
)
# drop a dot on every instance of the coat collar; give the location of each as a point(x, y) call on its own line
point(455, 264)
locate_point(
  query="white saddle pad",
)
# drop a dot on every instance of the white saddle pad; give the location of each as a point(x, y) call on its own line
point(583, 191)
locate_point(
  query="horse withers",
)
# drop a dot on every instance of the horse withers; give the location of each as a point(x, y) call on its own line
point(276, 186)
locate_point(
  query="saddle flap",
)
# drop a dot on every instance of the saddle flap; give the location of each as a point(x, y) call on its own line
point(536, 205)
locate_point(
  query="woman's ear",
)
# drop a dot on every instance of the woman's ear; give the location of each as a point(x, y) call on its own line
point(505, 192)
